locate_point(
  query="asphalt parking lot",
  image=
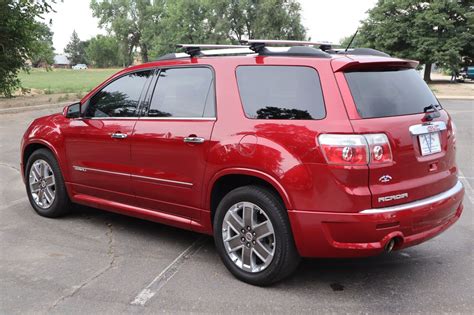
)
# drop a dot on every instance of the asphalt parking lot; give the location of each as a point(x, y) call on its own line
point(98, 262)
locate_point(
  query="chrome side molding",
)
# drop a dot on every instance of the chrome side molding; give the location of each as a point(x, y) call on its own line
point(156, 179)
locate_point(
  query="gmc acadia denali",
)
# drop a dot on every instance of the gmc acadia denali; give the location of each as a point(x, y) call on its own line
point(278, 152)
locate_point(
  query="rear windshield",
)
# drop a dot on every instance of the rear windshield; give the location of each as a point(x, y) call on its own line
point(389, 93)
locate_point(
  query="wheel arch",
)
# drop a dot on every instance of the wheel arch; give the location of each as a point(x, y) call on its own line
point(229, 179)
point(34, 145)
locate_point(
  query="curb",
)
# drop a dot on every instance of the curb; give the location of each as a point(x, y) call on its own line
point(14, 110)
point(454, 97)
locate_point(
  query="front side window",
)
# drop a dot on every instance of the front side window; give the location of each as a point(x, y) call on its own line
point(280, 92)
point(183, 92)
point(119, 98)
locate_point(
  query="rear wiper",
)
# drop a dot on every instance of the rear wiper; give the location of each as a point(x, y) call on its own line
point(432, 112)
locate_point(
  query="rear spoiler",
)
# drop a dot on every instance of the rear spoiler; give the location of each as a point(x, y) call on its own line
point(346, 64)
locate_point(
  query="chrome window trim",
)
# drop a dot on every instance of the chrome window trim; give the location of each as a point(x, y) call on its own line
point(178, 118)
point(423, 202)
point(106, 118)
point(85, 169)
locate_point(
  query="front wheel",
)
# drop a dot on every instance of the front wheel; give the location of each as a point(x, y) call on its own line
point(253, 236)
point(45, 185)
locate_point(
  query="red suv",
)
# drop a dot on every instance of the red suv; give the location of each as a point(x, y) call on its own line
point(278, 152)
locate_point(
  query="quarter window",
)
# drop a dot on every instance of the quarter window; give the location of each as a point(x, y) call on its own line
point(280, 92)
point(183, 92)
point(119, 98)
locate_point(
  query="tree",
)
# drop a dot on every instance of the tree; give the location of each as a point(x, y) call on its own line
point(103, 51)
point(155, 27)
point(19, 33)
point(130, 21)
point(227, 21)
point(435, 31)
point(76, 49)
point(42, 51)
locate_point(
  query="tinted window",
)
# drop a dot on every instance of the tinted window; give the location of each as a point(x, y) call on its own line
point(120, 98)
point(389, 93)
point(183, 92)
point(280, 92)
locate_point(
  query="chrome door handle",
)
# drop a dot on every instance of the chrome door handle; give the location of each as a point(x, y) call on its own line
point(193, 140)
point(118, 135)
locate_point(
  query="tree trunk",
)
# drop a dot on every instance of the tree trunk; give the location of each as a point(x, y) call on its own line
point(427, 73)
point(144, 53)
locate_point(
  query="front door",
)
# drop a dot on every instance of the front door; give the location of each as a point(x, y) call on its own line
point(170, 142)
point(98, 144)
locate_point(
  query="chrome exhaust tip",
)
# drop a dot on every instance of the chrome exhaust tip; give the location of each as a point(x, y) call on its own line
point(389, 246)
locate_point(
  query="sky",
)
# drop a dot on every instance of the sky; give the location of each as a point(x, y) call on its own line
point(325, 20)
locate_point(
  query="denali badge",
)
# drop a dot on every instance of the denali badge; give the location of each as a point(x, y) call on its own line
point(385, 179)
point(80, 169)
point(393, 197)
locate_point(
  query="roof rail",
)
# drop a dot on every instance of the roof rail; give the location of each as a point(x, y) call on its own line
point(195, 49)
point(258, 45)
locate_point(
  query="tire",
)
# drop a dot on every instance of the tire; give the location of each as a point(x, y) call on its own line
point(279, 257)
point(47, 177)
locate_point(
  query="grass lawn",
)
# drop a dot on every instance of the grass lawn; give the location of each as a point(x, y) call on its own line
point(64, 80)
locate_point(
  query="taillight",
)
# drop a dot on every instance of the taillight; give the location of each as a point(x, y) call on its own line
point(379, 148)
point(454, 131)
point(355, 149)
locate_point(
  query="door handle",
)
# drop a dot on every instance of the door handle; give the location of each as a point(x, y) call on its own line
point(118, 135)
point(193, 139)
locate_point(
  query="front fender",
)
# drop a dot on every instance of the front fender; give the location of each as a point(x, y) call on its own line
point(46, 132)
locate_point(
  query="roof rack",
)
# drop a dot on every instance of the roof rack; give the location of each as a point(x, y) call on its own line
point(195, 49)
point(258, 45)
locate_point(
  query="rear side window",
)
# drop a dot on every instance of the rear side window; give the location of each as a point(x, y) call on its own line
point(389, 93)
point(119, 98)
point(280, 92)
point(183, 92)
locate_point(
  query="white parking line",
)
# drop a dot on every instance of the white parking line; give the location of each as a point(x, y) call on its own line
point(151, 289)
point(467, 186)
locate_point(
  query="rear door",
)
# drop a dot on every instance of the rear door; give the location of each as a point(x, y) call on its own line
point(393, 101)
point(170, 142)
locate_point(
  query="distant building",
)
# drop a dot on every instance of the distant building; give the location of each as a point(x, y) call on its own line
point(61, 61)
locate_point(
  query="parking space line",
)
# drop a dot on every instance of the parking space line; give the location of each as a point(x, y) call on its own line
point(151, 289)
point(467, 187)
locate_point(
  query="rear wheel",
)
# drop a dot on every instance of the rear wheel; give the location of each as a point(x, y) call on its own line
point(45, 185)
point(253, 236)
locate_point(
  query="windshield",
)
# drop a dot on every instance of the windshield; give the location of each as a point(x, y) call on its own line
point(389, 93)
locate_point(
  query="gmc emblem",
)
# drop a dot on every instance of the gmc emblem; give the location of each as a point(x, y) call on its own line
point(393, 197)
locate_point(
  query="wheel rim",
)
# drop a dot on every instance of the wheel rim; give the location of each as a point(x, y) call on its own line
point(42, 184)
point(249, 237)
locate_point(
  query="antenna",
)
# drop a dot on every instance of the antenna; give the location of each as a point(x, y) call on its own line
point(352, 39)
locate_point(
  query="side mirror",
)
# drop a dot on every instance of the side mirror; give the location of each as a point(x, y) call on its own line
point(73, 110)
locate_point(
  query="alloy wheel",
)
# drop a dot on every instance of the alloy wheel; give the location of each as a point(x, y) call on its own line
point(249, 237)
point(42, 184)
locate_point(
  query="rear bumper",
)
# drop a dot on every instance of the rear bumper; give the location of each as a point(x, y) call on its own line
point(328, 234)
